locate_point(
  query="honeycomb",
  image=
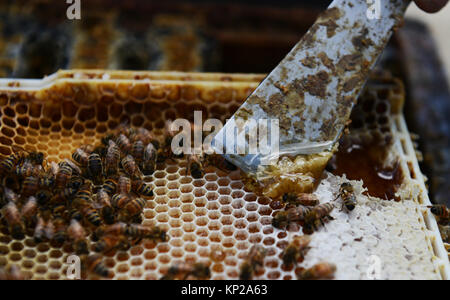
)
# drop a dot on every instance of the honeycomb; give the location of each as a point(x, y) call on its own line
point(214, 219)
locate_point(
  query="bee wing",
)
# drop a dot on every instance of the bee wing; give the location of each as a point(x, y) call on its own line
point(73, 166)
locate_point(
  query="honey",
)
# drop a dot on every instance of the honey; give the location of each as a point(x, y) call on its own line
point(364, 162)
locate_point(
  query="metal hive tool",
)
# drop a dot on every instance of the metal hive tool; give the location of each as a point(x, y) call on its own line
point(312, 91)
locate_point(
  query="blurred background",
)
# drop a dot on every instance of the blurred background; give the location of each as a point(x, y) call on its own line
point(37, 39)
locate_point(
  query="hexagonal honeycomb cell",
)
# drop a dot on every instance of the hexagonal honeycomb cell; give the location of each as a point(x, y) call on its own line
point(213, 219)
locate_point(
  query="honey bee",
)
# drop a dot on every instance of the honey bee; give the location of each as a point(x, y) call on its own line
point(294, 214)
point(107, 138)
point(77, 234)
point(129, 166)
point(75, 214)
point(149, 159)
point(60, 235)
point(109, 243)
point(83, 197)
point(116, 229)
point(346, 193)
point(94, 264)
point(185, 271)
point(46, 181)
point(143, 135)
point(80, 157)
point(91, 214)
point(12, 217)
point(10, 196)
point(63, 175)
point(95, 167)
point(195, 166)
point(112, 159)
point(110, 185)
point(43, 197)
point(7, 165)
point(29, 211)
point(296, 250)
point(140, 232)
point(442, 212)
point(124, 143)
point(317, 215)
point(120, 200)
point(124, 185)
point(300, 199)
point(104, 201)
point(142, 188)
point(25, 170)
point(165, 151)
point(39, 231)
point(44, 230)
point(30, 186)
point(137, 151)
point(11, 273)
point(135, 206)
point(253, 262)
point(36, 158)
point(321, 270)
point(75, 169)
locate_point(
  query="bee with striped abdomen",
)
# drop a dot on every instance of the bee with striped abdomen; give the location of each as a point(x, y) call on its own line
point(305, 199)
point(95, 167)
point(77, 234)
point(24, 170)
point(137, 151)
point(30, 186)
point(119, 201)
point(321, 270)
point(140, 232)
point(347, 194)
point(296, 250)
point(60, 235)
point(124, 143)
point(195, 166)
point(253, 262)
point(7, 165)
point(91, 214)
point(294, 214)
point(316, 216)
point(109, 243)
point(185, 271)
point(94, 264)
point(149, 160)
point(142, 188)
point(110, 186)
point(112, 159)
point(135, 206)
point(106, 209)
point(80, 157)
point(29, 211)
point(124, 185)
point(14, 221)
point(63, 175)
point(129, 166)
